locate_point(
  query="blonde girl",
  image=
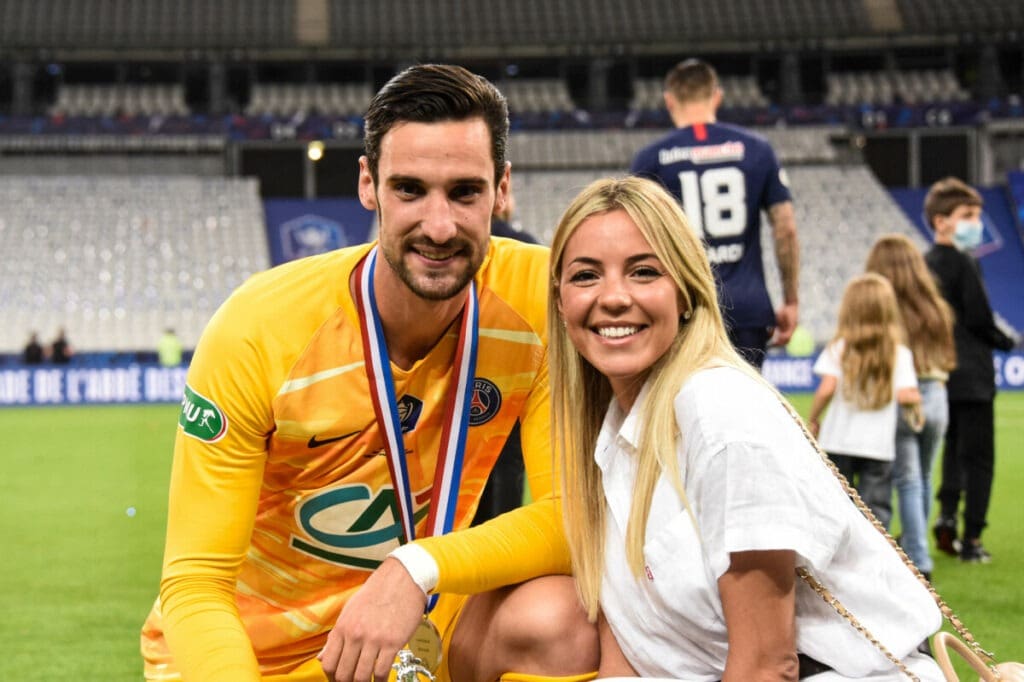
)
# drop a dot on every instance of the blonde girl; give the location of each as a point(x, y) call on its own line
point(868, 371)
point(928, 323)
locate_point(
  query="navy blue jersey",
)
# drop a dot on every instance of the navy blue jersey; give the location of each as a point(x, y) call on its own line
point(723, 176)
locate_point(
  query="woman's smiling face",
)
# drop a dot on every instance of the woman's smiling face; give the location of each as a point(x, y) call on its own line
point(620, 306)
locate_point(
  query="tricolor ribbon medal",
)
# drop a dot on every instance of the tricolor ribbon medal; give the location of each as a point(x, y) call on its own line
point(448, 470)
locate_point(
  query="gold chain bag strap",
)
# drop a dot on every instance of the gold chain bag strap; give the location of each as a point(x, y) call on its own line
point(982, 661)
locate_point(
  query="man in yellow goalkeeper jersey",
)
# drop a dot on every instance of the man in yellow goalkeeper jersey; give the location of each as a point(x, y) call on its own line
point(341, 416)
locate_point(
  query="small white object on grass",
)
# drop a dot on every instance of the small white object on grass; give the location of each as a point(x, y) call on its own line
point(130, 511)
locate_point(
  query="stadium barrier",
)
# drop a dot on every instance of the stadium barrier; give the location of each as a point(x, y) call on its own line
point(796, 374)
point(84, 385)
point(140, 383)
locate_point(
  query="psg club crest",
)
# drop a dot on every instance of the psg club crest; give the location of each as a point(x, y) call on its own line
point(309, 235)
point(485, 403)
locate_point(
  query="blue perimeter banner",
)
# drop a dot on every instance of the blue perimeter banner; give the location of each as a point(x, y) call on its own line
point(297, 228)
point(150, 383)
point(113, 385)
point(796, 374)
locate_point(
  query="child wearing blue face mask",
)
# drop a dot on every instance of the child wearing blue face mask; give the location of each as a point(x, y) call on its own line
point(953, 210)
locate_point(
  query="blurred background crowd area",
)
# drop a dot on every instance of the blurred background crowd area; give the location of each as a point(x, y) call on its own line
point(154, 154)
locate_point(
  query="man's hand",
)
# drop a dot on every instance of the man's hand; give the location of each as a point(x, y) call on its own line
point(375, 623)
point(785, 324)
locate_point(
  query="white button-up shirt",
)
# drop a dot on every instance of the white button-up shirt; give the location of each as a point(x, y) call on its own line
point(754, 482)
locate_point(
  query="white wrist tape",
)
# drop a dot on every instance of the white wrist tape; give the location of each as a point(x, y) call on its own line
point(420, 564)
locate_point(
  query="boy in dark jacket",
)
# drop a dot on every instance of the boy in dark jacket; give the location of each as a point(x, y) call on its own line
point(953, 210)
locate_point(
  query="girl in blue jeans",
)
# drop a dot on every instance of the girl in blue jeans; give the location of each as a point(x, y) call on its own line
point(928, 321)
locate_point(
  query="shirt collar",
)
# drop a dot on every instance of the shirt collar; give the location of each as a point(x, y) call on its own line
point(621, 430)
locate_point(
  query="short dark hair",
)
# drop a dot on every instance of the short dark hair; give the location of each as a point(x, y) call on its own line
point(430, 93)
point(944, 197)
point(691, 80)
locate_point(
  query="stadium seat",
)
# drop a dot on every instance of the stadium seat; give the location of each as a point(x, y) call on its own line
point(115, 260)
point(288, 99)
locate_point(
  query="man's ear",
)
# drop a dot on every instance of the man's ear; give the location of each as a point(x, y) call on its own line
point(670, 102)
point(503, 191)
point(367, 188)
point(716, 98)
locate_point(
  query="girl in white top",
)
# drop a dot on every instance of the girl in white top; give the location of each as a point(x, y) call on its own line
point(865, 373)
point(692, 495)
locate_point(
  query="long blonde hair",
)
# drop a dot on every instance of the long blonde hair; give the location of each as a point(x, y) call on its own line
point(927, 318)
point(580, 395)
point(870, 329)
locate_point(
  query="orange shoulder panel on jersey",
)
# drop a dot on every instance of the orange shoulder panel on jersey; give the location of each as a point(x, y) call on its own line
point(281, 499)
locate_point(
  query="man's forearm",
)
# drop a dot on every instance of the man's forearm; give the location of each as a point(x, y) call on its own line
point(787, 248)
point(521, 544)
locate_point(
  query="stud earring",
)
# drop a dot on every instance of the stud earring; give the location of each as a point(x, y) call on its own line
point(687, 315)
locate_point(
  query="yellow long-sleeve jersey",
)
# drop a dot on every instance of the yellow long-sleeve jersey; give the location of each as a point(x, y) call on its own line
point(281, 501)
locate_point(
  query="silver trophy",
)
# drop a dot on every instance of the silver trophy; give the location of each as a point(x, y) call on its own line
point(409, 668)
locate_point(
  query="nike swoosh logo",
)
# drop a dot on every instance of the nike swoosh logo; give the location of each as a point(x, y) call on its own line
point(315, 443)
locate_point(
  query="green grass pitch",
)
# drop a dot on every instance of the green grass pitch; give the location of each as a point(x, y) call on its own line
point(83, 507)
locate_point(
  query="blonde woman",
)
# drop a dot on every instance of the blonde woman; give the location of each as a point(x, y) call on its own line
point(869, 372)
point(691, 494)
point(928, 321)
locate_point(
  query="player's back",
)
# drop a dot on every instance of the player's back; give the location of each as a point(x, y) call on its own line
point(723, 176)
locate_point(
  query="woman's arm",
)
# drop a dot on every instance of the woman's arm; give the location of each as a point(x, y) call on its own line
point(759, 602)
point(908, 397)
point(909, 400)
point(613, 661)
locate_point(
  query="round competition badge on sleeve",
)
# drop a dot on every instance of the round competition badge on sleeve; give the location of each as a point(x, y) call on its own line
point(200, 417)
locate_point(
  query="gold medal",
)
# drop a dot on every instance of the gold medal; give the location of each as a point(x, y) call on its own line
point(425, 644)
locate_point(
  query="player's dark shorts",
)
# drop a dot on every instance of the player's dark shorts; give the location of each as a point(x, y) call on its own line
point(751, 342)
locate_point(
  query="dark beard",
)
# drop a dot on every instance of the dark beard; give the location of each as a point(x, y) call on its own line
point(440, 291)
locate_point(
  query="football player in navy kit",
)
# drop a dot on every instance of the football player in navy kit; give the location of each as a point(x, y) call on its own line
point(724, 176)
